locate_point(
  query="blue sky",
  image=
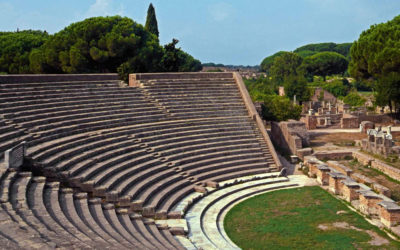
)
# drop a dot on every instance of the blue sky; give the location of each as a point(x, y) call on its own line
point(229, 32)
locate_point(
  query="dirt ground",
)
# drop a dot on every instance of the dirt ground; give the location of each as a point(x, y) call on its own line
point(321, 140)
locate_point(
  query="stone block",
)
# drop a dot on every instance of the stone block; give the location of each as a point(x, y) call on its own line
point(212, 184)
point(301, 153)
point(148, 212)
point(369, 202)
point(335, 186)
point(136, 206)
point(349, 190)
point(14, 157)
point(389, 213)
point(177, 231)
point(200, 189)
point(161, 215)
point(175, 215)
point(112, 196)
point(124, 201)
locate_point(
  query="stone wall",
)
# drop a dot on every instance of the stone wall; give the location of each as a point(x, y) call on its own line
point(291, 136)
point(310, 121)
point(332, 155)
point(386, 169)
point(383, 118)
point(363, 158)
point(367, 160)
point(349, 121)
point(340, 167)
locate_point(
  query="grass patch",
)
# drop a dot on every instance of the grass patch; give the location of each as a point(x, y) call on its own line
point(301, 218)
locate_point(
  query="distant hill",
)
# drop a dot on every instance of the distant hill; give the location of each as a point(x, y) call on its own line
point(311, 49)
point(210, 64)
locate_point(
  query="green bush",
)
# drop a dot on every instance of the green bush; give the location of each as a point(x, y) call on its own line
point(354, 99)
point(279, 108)
point(337, 87)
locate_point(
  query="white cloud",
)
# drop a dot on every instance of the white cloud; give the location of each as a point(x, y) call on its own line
point(105, 8)
point(220, 11)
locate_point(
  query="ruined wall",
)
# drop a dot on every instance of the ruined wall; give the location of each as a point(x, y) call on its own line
point(375, 118)
point(291, 136)
point(387, 169)
point(349, 121)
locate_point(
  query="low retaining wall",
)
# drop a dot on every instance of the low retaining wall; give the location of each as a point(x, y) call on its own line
point(332, 155)
point(367, 160)
point(57, 78)
point(386, 169)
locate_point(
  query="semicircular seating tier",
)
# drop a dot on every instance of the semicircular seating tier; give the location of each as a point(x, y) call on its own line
point(106, 159)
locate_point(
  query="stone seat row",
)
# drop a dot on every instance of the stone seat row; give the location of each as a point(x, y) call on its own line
point(71, 111)
point(93, 97)
point(48, 87)
point(55, 108)
point(56, 217)
point(141, 130)
point(95, 149)
point(185, 81)
point(66, 94)
point(55, 84)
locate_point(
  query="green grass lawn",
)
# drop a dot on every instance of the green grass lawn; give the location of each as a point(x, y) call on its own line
point(301, 218)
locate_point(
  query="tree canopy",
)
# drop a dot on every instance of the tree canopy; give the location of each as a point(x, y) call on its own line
point(15, 48)
point(376, 56)
point(285, 71)
point(310, 49)
point(151, 21)
point(106, 44)
point(268, 61)
point(285, 65)
point(98, 44)
point(324, 64)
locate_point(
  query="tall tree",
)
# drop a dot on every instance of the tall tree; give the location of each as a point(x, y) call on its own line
point(324, 64)
point(285, 65)
point(151, 21)
point(375, 57)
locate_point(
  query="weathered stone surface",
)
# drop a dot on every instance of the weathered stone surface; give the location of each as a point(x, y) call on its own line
point(177, 231)
point(14, 157)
